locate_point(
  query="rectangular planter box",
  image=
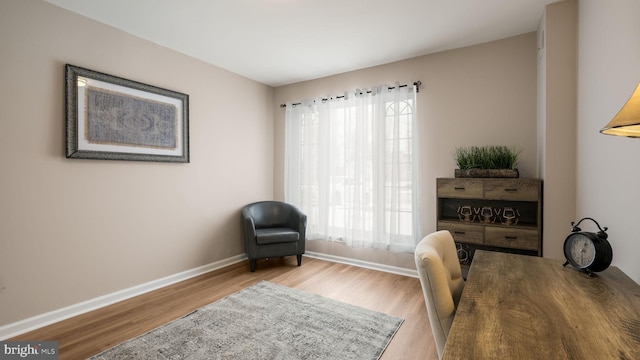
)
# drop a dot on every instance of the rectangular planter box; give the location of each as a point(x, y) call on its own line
point(486, 173)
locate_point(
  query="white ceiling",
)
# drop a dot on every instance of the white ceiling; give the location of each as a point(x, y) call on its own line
point(278, 42)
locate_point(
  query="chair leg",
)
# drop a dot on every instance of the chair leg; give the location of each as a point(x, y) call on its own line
point(252, 264)
point(299, 259)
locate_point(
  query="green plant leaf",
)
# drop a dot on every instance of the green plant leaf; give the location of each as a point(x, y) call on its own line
point(486, 157)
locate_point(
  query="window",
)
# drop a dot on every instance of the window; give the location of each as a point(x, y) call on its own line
point(351, 166)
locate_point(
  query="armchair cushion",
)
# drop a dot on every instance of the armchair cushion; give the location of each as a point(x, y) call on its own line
point(276, 235)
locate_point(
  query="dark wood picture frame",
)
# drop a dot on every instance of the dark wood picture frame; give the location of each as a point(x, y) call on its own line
point(111, 118)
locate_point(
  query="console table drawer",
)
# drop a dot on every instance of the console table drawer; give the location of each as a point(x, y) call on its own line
point(463, 233)
point(511, 238)
point(514, 190)
point(460, 188)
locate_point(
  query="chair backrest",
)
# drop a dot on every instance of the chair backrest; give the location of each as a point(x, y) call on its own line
point(267, 214)
point(442, 283)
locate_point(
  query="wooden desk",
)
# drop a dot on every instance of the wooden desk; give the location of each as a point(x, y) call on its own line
point(526, 307)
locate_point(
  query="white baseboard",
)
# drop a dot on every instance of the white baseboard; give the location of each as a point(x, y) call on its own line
point(363, 264)
point(32, 323)
point(26, 325)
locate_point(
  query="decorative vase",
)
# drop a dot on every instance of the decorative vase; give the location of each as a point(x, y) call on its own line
point(465, 213)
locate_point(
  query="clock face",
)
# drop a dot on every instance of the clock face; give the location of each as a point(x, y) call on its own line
point(582, 250)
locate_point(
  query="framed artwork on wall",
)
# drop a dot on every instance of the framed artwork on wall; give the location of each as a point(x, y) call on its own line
point(111, 118)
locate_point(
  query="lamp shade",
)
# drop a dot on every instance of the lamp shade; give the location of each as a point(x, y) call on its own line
point(627, 121)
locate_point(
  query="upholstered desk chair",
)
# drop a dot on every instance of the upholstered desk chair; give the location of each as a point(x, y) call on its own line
point(441, 279)
point(273, 229)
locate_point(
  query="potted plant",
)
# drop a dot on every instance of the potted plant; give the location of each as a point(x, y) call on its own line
point(486, 161)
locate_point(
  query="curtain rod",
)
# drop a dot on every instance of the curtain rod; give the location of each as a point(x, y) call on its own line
point(416, 84)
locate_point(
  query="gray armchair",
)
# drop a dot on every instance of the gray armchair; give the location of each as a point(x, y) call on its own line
point(273, 229)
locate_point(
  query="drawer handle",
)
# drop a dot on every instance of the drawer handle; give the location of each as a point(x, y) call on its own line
point(510, 190)
point(459, 188)
point(511, 237)
point(459, 232)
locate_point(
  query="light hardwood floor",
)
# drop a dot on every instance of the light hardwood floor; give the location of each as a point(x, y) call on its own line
point(88, 334)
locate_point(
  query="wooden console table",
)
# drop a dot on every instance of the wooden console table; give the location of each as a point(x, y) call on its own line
point(491, 214)
point(525, 307)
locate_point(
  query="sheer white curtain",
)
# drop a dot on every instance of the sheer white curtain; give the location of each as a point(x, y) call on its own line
point(351, 165)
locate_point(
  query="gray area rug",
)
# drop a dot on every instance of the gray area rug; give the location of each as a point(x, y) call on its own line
point(266, 321)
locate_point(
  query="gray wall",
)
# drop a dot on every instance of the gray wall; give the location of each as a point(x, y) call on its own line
point(477, 95)
point(73, 230)
point(608, 173)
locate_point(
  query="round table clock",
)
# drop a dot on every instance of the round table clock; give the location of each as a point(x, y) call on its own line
point(587, 251)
